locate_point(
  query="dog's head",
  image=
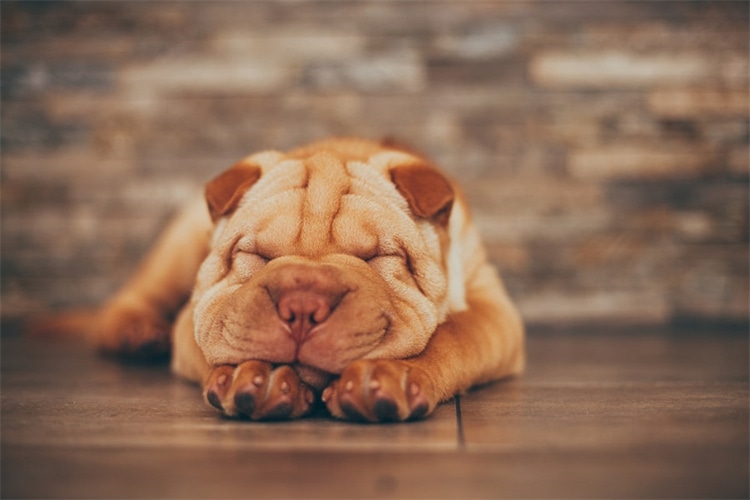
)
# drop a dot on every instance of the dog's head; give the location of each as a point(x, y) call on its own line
point(325, 255)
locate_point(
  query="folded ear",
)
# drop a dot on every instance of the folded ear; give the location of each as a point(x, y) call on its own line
point(427, 191)
point(224, 192)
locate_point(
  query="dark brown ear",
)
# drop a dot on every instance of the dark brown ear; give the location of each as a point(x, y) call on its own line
point(427, 191)
point(224, 192)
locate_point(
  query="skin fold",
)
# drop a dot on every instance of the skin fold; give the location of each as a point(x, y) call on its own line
point(345, 271)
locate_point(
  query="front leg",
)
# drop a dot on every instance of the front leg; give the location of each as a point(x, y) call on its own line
point(483, 343)
point(138, 319)
point(258, 391)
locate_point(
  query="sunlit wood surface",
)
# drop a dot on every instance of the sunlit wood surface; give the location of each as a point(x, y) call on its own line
point(631, 415)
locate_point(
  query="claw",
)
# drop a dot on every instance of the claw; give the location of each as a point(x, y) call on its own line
point(213, 399)
point(245, 402)
point(349, 407)
point(327, 393)
point(386, 409)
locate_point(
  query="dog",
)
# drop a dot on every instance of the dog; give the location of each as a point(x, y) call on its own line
point(346, 272)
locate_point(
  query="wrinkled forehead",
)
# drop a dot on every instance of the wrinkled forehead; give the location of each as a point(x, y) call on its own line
point(322, 205)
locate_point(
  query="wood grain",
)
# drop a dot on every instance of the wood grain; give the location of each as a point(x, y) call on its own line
point(627, 416)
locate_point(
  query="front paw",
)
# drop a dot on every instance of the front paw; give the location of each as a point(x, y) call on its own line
point(133, 332)
point(381, 391)
point(258, 391)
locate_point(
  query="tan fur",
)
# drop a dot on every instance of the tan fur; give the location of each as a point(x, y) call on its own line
point(345, 269)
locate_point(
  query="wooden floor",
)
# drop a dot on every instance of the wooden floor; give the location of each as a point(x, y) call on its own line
point(630, 415)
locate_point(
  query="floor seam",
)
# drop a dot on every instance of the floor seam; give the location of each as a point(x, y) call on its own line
point(461, 437)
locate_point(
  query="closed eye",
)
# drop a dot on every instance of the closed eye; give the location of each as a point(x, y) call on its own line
point(248, 263)
point(380, 257)
point(370, 258)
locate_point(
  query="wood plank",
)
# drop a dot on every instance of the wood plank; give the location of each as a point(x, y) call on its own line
point(587, 421)
point(247, 473)
point(664, 417)
point(59, 395)
point(607, 354)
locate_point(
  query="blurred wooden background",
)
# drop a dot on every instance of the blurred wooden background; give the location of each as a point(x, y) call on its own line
point(604, 145)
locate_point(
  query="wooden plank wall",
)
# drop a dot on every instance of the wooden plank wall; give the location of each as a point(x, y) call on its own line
point(604, 145)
